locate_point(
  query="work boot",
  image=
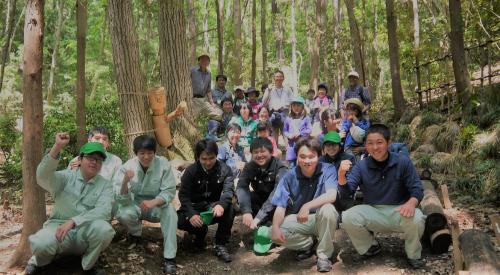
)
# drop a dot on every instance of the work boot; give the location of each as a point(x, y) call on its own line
point(373, 250)
point(31, 269)
point(324, 265)
point(223, 254)
point(306, 254)
point(169, 266)
point(416, 263)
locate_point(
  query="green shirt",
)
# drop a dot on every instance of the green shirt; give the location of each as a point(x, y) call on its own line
point(109, 167)
point(74, 198)
point(157, 182)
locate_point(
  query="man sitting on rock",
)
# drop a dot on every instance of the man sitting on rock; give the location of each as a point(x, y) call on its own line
point(391, 193)
point(79, 221)
point(305, 215)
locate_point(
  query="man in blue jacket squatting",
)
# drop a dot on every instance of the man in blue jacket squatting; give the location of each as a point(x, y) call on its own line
point(392, 191)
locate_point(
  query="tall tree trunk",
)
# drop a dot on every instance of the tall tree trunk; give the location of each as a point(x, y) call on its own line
point(237, 42)
point(462, 80)
point(254, 44)
point(278, 31)
point(416, 40)
point(293, 41)
point(130, 80)
point(356, 42)
point(57, 40)
point(174, 68)
point(206, 43)
point(9, 30)
point(149, 37)
point(81, 36)
point(219, 6)
point(33, 196)
point(374, 75)
point(320, 6)
point(263, 37)
point(192, 33)
point(338, 71)
point(397, 91)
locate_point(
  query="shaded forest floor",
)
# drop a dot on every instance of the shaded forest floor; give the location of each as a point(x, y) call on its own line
point(146, 258)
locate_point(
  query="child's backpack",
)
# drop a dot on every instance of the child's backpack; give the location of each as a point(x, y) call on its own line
point(398, 147)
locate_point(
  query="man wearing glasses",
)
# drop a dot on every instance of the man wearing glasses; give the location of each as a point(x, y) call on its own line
point(79, 222)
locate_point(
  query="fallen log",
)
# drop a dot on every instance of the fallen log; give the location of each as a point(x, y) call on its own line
point(436, 231)
point(478, 253)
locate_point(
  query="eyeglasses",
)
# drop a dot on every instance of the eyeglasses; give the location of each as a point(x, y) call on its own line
point(98, 160)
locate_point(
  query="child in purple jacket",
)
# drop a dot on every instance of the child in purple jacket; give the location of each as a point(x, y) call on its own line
point(297, 125)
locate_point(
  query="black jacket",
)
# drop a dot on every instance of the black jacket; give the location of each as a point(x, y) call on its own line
point(263, 183)
point(202, 189)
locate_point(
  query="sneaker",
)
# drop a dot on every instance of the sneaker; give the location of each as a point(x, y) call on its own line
point(373, 250)
point(324, 265)
point(169, 266)
point(223, 254)
point(306, 254)
point(31, 269)
point(416, 263)
point(95, 270)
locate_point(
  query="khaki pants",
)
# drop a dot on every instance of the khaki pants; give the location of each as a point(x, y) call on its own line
point(322, 225)
point(131, 215)
point(361, 220)
point(202, 107)
point(89, 240)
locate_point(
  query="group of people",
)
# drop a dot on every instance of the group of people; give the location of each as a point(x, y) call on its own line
point(302, 201)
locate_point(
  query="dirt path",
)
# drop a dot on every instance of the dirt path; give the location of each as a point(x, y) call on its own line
point(121, 258)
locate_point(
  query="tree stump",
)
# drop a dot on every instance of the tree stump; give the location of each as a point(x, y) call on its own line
point(436, 231)
point(478, 253)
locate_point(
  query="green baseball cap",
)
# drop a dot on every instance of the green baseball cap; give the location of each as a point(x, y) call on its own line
point(262, 240)
point(331, 136)
point(93, 147)
point(298, 99)
point(207, 216)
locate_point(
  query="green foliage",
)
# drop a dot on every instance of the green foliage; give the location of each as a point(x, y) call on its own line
point(490, 151)
point(402, 133)
point(466, 136)
point(10, 144)
point(447, 137)
point(430, 118)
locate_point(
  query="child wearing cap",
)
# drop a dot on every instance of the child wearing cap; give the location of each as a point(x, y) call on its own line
point(81, 211)
point(207, 184)
point(253, 100)
point(145, 187)
point(297, 125)
point(111, 164)
point(353, 127)
point(239, 98)
point(231, 153)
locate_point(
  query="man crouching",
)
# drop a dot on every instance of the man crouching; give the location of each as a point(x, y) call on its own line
point(79, 222)
point(305, 215)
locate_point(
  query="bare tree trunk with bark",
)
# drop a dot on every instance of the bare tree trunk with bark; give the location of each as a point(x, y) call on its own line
point(33, 195)
point(278, 31)
point(254, 44)
point(219, 6)
point(175, 74)
point(57, 40)
point(81, 36)
point(192, 33)
point(293, 41)
point(356, 42)
point(397, 90)
point(460, 70)
point(130, 79)
point(9, 31)
point(263, 37)
point(237, 42)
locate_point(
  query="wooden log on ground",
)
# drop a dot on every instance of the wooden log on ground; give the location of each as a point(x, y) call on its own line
point(436, 224)
point(495, 225)
point(446, 197)
point(478, 253)
point(457, 254)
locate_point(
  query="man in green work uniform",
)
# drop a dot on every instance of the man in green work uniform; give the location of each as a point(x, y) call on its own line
point(112, 163)
point(145, 188)
point(78, 224)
